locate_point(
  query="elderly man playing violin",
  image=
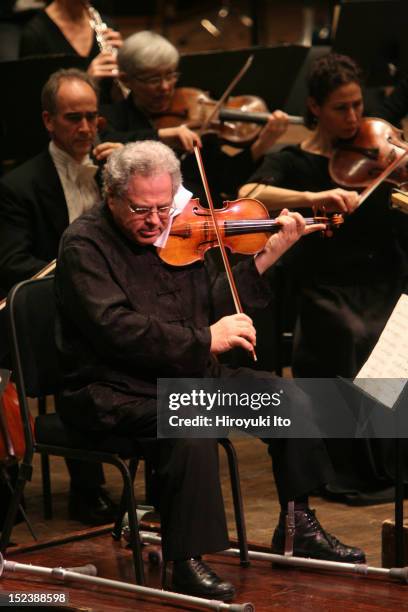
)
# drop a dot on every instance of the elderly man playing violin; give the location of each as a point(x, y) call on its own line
point(126, 318)
point(148, 66)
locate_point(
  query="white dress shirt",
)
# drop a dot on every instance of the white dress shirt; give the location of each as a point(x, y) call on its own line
point(78, 181)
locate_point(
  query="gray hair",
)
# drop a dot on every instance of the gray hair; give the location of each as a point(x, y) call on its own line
point(146, 51)
point(49, 92)
point(146, 158)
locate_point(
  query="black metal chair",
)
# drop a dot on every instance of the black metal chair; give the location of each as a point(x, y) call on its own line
point(31, 317)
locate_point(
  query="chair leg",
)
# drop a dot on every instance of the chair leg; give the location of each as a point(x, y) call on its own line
point(148, 473)
point(5, 478)
point(45, 469)
point(134, 539)
point(123, 504)
point(46, 486)
point(24, 474)
point(237, 499)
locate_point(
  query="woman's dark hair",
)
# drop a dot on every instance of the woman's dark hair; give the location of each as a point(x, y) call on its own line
point(326, 75)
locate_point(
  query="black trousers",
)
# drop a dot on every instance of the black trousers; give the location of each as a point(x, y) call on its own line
point(85, 475)
point(188, 491)
point(186, 485)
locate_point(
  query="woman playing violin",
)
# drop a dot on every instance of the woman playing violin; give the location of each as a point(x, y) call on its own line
point(346, 286)
point(148, 64)
point(351, 281)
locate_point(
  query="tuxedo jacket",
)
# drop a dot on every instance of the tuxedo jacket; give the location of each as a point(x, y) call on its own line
point(33, 216)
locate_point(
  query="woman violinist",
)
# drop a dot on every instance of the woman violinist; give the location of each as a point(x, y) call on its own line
point(347, 286)
point(148, 65)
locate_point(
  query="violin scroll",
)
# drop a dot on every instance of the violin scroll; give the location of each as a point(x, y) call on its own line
point(331, 223)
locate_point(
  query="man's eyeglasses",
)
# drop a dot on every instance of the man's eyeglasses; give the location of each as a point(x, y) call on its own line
point(155, 81)
point(145, 211)
point(90, 116)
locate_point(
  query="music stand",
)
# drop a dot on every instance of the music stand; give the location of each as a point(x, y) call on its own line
point(401, 401)
point(270, 77)
point(22, 133)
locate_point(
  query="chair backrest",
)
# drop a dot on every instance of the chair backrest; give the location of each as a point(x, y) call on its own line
point(31, 318)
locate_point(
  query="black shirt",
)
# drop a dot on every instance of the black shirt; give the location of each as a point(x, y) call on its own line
point(366, 246)
point(42, 36)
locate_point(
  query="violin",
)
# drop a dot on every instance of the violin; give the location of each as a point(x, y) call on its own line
point(375, 147)
point(12, 440)
point(238, 122)
point(193, 107)
point(244, 226)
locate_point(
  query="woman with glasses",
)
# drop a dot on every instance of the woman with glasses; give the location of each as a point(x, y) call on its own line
point(148, 65)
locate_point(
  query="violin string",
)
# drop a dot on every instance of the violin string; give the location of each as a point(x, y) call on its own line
point(240, 224)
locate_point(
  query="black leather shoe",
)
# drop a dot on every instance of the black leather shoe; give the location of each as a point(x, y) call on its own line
point(311, 540)
point(194, 577)
point(91, 507)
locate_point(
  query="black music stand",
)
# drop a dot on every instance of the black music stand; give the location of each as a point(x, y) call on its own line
point(22, 134)
point(401, 403)
point(271, 76)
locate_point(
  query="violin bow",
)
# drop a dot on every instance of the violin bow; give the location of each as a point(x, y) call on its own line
point(228, 270)
point(226, 93)
point(381, 177)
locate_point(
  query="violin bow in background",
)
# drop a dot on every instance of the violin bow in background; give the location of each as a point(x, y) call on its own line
point(381, 177)
point(226, 93)
point(228, 270)
point(378, 180)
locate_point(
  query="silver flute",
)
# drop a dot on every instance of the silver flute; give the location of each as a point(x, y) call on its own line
point(100, 28)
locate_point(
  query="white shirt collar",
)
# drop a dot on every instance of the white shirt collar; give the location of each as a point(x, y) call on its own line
point(74, 170)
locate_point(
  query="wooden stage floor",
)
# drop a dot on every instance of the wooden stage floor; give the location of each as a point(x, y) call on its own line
point(265, 587)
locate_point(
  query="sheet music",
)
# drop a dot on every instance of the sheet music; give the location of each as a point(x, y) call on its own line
point(385, 373)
